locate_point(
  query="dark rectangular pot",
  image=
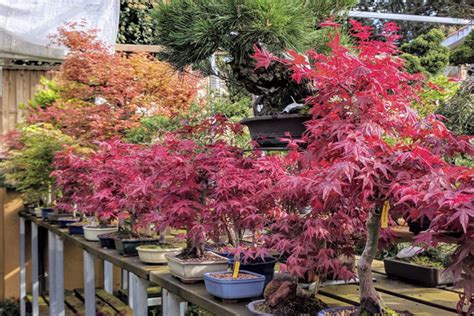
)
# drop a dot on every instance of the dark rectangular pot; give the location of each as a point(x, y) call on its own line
point(265, 268)
point(128, 247)
point(426, 276)
point(65, 220)
point(107, 241)
point(75, 229)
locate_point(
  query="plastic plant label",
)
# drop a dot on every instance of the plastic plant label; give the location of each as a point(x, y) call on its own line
point(236, 269)
point(385, 209)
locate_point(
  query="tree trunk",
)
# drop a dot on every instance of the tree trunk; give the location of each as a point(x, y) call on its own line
point(370, 300)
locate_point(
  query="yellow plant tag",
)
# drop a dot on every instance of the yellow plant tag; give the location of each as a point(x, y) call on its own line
point(236, 269)
point(385, 209)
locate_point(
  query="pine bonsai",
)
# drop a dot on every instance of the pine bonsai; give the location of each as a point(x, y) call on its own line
point(191, 31)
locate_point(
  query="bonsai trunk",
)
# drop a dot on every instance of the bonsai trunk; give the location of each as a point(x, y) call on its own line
point(370, 300)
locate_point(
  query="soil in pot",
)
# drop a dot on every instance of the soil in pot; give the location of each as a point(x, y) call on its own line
point(229, 276)
point(353, 311)
point(191, 257)
point(297, 306)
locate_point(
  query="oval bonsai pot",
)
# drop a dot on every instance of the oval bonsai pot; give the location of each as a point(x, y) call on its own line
point(265, 267)
point(91, 232)
point(76, 228)
point(189, 271)
point(415, 273)
point(107, 240)
point(267, 130)
point(128, 247)
point(252, 308)
point(64, 221)
point(156, 253)
point(45, 211)
point(37, 212)
point(234, 288)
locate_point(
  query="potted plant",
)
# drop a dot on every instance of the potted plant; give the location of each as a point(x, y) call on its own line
point(156, 253)
point(225, 285)
point(225, 32)
point(94, 230)
point(28, 167)
point(421, 266)
point(369, 155)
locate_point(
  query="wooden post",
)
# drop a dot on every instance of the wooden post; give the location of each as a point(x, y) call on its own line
point(34, 269)
point(89, 284)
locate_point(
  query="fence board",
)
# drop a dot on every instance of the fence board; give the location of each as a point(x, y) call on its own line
point(19, 84)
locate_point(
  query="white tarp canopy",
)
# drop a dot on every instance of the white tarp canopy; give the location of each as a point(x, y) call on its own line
point(25, 25)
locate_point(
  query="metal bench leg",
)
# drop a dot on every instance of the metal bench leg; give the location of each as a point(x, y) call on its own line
point(22, 268)
point(59, 271)
point(131, 289)
point(89, 284)
point(52, 274)
point(124, 279)
point(172, 304)
point(140, 299)
point(108, 277)
point(34, 269)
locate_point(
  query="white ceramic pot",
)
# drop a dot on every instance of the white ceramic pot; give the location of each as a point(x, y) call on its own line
point(38, 212)
point(91, 233)
point(190, 271)
point(155, 254)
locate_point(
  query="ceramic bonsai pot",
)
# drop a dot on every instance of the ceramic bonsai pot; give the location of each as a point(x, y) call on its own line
point(76, 228)
point(252, 308)
point(267, 130)
point(265, 267)
point(64, 221)
point(107, 240)
point(37, 212)
point(156, 253)
point(231, 289)
point(53, 218)
point(426, 276)
point(91, 233)
point(128, 247)
point(45, 211)
point(189, 271)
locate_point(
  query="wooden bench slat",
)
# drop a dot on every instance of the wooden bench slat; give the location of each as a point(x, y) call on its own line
point(350, 293)
point(101, 307)
point(75, 304)
point(114, 302)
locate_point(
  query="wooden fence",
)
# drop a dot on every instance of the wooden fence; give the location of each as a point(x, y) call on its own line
point(17, 86)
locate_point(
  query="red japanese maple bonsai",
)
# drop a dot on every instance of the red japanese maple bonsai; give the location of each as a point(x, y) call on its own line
point(366, 147)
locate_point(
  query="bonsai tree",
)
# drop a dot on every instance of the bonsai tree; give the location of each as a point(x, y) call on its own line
point(192, 31)
point(369, 153)
point(98, 95)
point(28, 165)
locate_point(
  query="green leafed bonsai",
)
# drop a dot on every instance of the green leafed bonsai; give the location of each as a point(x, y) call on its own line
point(191, 31)
point(426, 54)
point(28, 166)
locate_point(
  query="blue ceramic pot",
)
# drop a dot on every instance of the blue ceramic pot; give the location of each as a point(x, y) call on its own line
point(234, 288)
point(45, 212)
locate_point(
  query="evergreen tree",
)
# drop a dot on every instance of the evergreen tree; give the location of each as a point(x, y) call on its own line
point(191, 31)
point(464, 54)
point(426, 54)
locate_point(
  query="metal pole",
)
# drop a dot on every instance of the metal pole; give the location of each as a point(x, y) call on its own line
point(59, 271)
point(108, 277)
point(22, 268)
point(34, 269)
point(51, 274)
point(89, 284)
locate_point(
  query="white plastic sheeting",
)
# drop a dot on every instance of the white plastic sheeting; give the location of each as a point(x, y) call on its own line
point(25, 25)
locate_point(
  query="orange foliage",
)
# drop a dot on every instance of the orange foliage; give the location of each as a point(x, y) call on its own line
point(103, 94)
